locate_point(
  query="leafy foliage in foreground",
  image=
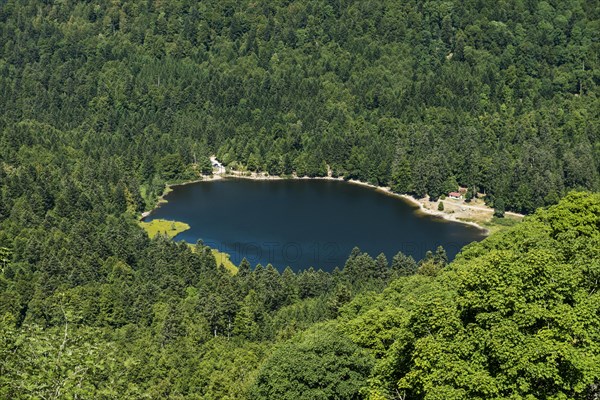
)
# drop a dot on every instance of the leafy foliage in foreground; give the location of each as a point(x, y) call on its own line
point(321, 363)
point(516, 316)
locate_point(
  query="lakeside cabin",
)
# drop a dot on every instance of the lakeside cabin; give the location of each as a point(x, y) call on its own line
point(455, 195)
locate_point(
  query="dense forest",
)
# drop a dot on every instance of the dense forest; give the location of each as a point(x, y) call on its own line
point(497, 96)
point(104, 102)
point(515, 316)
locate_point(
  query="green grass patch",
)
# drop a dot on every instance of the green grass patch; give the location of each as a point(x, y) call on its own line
point(164, 227)
point(497, 224)
point(223, 258)
point(506, 221)
point(161, 199)
point(174, 228)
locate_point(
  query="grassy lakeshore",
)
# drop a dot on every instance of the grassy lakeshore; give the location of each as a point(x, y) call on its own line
point(174, 228)
point(223, 258)
point(220, 258)
point(164, 227)
point(496, 224)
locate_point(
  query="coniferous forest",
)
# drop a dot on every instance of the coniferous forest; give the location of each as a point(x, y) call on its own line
point(103, 103)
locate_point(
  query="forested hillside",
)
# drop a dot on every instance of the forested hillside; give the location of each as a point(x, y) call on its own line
point(102, 103)
point(515, 316)
point(501, 97)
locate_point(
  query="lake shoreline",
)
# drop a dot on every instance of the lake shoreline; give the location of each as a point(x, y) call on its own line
point(419, 205)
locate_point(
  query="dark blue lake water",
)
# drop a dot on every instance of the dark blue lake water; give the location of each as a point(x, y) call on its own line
point(303, 223)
